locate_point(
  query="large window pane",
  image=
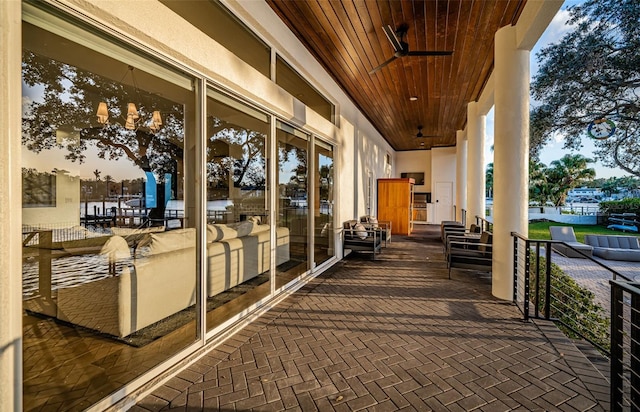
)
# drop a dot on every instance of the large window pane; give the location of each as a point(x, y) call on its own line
point(323, 234)
point(238, 228)
point(109, 274)
point(293, 210)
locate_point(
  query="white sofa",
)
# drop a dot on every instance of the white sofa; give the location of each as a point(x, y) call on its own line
point(242, 253)
point(614, 247)
point(158, 285)
point(161, 280)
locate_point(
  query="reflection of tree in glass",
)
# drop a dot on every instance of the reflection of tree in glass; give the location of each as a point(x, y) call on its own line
point(39, 188)
point(296, 187)
point(326, 181)
point(69, 100)
point(237, 153)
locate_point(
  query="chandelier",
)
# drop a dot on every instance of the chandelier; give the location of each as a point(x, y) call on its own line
point(132, 120)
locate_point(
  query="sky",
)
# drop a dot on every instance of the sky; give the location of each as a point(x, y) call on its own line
point(554, 150)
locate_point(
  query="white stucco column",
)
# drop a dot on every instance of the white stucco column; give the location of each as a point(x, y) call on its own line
point(476, 122)
point(461, 174)
point(511, 156)
point(10, 208)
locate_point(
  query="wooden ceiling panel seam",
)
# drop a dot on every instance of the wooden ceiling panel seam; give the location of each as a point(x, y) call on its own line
point(448, 115)
point(315, 49)
point(373, 33)
point(391, 71)
point(351, 91)
point(346, 38)
point(477, 69)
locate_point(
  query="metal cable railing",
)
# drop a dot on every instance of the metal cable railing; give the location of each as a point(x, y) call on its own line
point(543, 291)
point(486, 225)
point(625, 346)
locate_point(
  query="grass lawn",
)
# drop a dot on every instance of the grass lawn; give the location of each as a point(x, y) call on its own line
point(540, 230)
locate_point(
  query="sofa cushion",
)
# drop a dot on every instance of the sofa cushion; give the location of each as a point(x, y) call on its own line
point(169, 241)
point(128, 231)
point(617, 242)
point(259, 229)
point(116, 248)
point(218, 231)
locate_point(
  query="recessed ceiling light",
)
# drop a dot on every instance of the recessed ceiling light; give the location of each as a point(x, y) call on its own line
point(413, 98)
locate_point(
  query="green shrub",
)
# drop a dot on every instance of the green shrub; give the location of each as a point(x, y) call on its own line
point(571, 304)
point(629, 205)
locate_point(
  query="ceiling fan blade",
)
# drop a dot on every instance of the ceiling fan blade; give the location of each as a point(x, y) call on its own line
point(431, 53)
point(383, 65)
point(391, 35)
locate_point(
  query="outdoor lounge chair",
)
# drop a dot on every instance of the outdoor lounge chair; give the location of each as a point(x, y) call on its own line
point(453, 233)
point(570, 247)
point(357, 238)
point(447, 224)
point(471, 253)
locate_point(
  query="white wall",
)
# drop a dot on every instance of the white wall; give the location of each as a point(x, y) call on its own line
point(418, 161)
point(66, 212)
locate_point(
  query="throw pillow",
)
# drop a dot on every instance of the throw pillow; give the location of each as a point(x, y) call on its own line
point(255, 219)
point(361, 232)
point(244, 228)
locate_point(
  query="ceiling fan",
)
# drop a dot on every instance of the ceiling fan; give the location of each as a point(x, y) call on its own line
point(401, 48)
point(420, 135)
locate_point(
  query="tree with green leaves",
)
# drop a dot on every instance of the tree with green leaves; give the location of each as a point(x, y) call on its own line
point(592, 73)
point(551, 184)
point(540, 189)
point(567, 173)
point(489, 180)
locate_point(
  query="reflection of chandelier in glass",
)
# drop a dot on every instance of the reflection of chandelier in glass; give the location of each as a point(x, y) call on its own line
point(133, 117)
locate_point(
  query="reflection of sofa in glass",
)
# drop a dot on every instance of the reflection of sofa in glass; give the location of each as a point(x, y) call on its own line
point(162, 279)
point(241, 251)
point(160, 284)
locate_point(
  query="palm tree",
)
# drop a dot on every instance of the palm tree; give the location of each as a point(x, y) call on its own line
point(567, 173)
point(489, 180)
point(540, 189)
point(96, 173)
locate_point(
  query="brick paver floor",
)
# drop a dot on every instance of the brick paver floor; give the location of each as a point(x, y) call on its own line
point(385, 335)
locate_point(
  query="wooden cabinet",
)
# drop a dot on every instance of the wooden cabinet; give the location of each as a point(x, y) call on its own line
point(395, 203)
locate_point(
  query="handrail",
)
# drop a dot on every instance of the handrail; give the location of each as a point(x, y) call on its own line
point(625, 346)
point(584, 255)
point(624, 333)
point(485, 224)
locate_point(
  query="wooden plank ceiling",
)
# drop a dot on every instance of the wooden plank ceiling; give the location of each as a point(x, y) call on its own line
point(347, 38)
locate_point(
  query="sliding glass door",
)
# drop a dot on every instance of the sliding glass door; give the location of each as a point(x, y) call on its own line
point(238, 227)
point(293, 195)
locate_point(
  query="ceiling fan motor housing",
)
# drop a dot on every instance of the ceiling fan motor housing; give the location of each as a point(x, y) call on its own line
point(404, 51)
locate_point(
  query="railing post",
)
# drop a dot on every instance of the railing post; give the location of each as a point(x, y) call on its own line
point(536, 307)
point(527, 276)
point(616, 392)
point(547, 286)
point(635, 352)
